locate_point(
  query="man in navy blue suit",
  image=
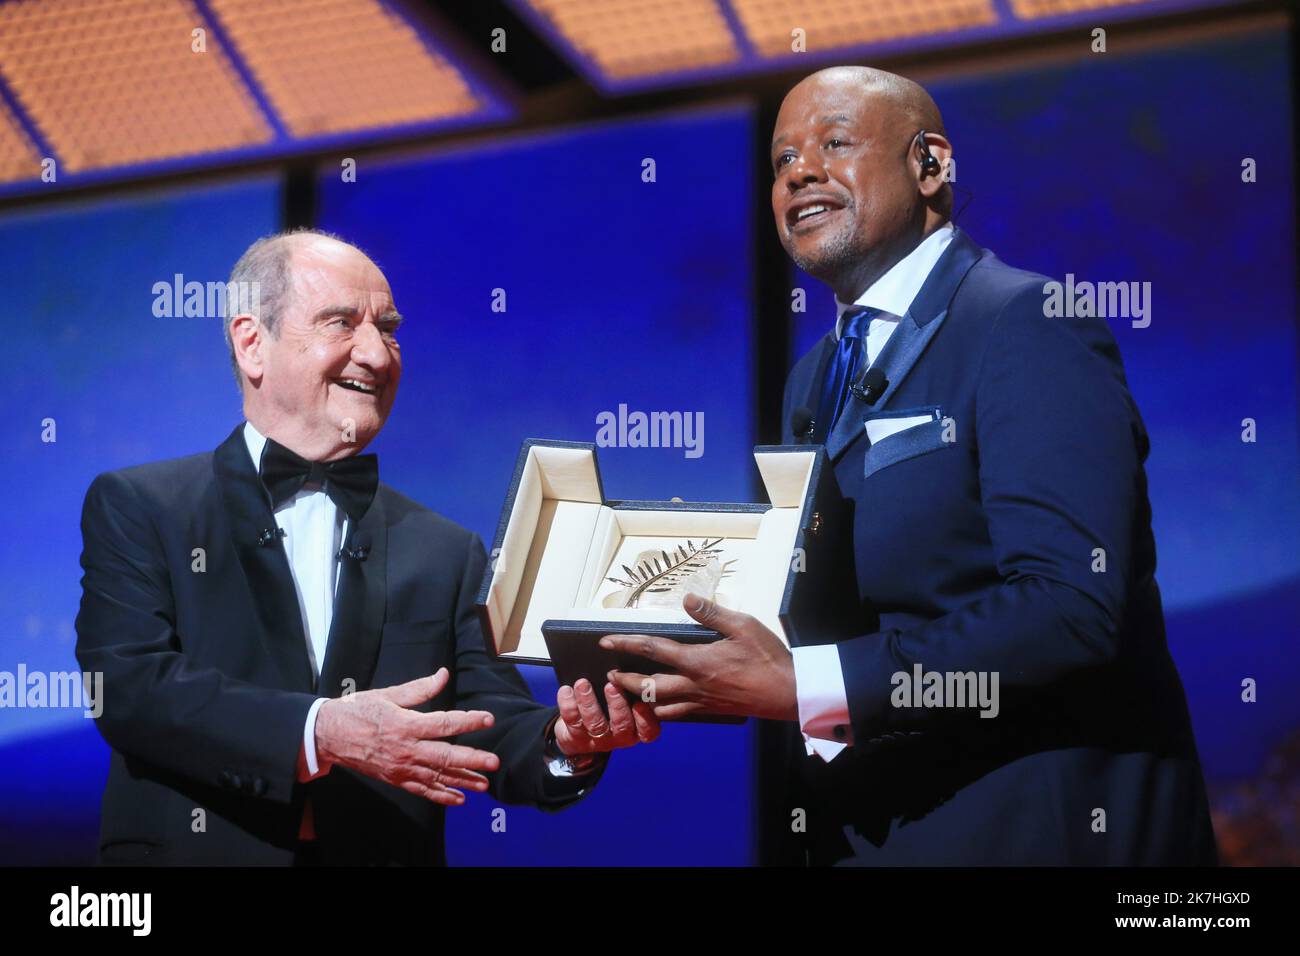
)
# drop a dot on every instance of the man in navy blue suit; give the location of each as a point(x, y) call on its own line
point(1006, 695)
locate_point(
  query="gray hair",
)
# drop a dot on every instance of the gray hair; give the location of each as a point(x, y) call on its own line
point(266, 266)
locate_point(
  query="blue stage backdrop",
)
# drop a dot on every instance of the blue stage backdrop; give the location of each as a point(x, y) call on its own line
point(1132, 171)
point(619, 291)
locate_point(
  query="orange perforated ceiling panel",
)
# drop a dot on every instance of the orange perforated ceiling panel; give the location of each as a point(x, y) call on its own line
point(635, 38)
point(1030, 9)
point(328, 66)
point(116, 82)
point(829, 24)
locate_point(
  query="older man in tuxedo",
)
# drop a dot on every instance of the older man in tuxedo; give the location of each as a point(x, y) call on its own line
point(293, 666)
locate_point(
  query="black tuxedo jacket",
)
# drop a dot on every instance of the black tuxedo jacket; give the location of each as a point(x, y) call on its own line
point(197, 630)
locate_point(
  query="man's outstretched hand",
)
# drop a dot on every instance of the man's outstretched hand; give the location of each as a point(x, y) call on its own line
point(747, 673)
point(375, 733)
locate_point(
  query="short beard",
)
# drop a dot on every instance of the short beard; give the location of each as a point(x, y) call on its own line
point(837, 255)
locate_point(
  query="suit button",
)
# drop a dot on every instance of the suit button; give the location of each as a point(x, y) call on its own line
point(259, 787)
point(235, 782)
point(227, 779)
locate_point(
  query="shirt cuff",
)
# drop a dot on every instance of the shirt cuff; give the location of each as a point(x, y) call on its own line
point(309, 742)
point(823, 701)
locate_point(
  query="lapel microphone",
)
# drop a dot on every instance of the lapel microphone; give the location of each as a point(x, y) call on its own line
point(359, 551)
point(871, 386)
point(269, 535)
point(802, 424)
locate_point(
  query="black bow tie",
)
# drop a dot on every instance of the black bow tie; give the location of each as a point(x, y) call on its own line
point(350, 482)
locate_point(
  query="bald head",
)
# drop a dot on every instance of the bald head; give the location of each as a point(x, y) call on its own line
point(907, 104)
point(852, 191)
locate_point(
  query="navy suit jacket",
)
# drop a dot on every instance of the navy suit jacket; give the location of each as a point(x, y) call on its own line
point(207, 682)
point(977, 542)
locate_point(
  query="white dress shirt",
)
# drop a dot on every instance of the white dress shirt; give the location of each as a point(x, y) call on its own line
point(819, 680)
point(314, 531)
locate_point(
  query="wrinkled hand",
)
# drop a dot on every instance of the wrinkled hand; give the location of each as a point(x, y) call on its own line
point(584, 729)
point(748, 672)
point(375, 733)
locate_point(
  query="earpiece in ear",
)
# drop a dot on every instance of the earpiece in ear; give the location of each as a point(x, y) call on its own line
point(928, 162)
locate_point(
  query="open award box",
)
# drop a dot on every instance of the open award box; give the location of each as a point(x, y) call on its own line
point(569, 565)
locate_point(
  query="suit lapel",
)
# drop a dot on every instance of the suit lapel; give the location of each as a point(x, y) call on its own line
point(359, 606)
point(895, 360)
point(266, 566)
point(906, 345)
point(805, 385)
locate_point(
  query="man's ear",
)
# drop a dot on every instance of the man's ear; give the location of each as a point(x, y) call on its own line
point(931, 181)
point(246, 336)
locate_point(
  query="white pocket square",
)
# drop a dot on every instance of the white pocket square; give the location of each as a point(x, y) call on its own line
point(878, 429)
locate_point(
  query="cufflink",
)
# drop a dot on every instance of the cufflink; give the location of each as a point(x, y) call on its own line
point(580, 763)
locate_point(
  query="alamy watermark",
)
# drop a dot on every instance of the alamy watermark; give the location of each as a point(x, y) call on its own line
point(75, 908)
point(204, 300)
point(635, 429)
point(54, 690)
point(923, 688)
point(1103, 300)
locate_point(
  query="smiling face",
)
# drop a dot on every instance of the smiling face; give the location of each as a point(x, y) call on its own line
point(334, 360)
point(845, 197)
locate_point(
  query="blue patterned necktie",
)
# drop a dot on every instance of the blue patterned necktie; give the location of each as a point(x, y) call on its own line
point(843, 370)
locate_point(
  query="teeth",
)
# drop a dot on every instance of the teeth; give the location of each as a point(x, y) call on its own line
point(811, 211)
point(362, 386)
